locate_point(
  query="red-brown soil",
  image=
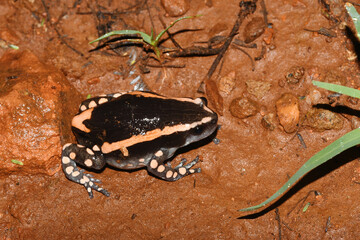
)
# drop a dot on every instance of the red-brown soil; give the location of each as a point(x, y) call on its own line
point(257, 153)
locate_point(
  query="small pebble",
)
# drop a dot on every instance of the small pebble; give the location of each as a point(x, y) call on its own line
point(355, 122)
point(243, 107)
point(322, 119)
point(295, 74)
point(269, 121)
point(257, 88)
point(175, 8)
point(227, 82)
point(288, 112)
point(313, 97)
point(352, 100)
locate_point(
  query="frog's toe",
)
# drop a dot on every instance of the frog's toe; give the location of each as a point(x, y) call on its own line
point(88, 181)
point(172, 174)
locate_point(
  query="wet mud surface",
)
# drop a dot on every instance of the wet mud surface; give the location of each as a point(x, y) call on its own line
point(268, 101)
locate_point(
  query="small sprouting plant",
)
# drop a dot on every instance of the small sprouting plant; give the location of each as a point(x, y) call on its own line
point(345, 142)
point(149, 41)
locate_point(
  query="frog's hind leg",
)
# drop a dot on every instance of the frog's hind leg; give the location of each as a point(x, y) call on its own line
point(75, 153)
point(157, 167)
point(95, 101)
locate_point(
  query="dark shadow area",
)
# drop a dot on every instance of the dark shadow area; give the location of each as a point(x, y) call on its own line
point(339, 109)
point(319, 172)
point(355, 41)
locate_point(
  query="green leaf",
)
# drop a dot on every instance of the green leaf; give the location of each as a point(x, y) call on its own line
point(345, 142)
point(143, 35)
point(338, 88)
point(354, 16)
point(172, 24)
point(17, 162)
point(13, 46)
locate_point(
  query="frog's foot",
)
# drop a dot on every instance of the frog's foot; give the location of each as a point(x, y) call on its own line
point(68, 161)
point(168, 173)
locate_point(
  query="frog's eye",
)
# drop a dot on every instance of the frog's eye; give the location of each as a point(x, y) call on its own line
point(198, 130)
point(202, 101)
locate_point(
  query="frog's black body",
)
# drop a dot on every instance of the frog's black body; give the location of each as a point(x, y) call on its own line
point(134, 130)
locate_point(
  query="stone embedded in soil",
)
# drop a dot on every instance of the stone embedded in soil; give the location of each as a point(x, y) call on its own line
point(269, 121)
point(227, 82)
point(31, 108)
point(322, 119)
point(313, 97)
point(243, 107)
point(257, 88)
point(295, 74)
point(287, 107)
point(175, 8)
point(355, 122)
point(254, 29)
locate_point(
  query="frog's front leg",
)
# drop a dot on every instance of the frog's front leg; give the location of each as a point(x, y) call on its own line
point(157, 167)
point(75, 153)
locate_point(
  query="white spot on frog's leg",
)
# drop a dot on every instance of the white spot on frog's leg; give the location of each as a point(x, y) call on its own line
point(96, 148)
point(141, 160)
point(91, 184)
point(175, 174)
point(89, 151)
point(86, 179)
point(80, 146)
point(153, 163)
point(88, 162)
point(182, 170)
point(89, 189)
point(103, 100)
point(116, 95)
point(92, 104)
point(159, 153)
point(169, 174)
point(72, 155)
point(161, 168)
point(69, 170)
point(66, 145)
point(83, 107)
point(65, 160)
point(191, 170)
point(82, 181)
point(75, 174)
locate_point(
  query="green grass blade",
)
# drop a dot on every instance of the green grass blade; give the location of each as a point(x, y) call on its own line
point(172, 24)
point(355, 17)
point(347, 141)
point(338, 88)
point(143, 35)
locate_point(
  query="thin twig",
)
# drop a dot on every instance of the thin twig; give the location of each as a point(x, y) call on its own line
point(57, 31)
point(277, 218)
point(245, 9)
point(247, 54)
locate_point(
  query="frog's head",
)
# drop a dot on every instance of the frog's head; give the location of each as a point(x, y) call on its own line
point(204, 126)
